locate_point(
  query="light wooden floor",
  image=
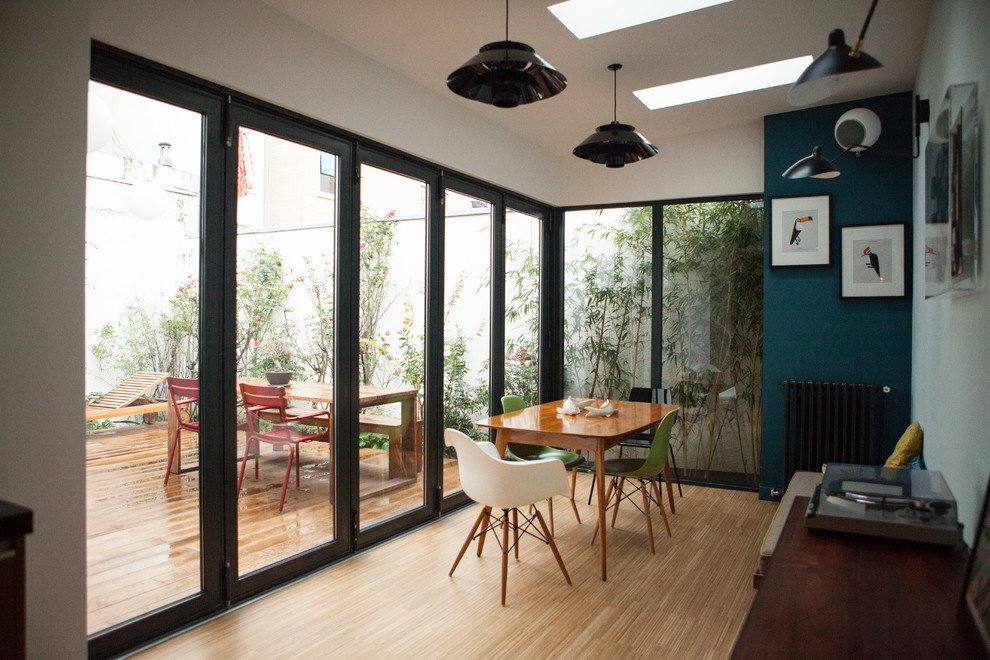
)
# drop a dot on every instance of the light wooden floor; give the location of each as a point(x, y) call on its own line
point(396, 601)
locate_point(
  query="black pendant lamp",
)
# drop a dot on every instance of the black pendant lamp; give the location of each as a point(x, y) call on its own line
point(506, 74)
point(615, 144)
point(823, 76)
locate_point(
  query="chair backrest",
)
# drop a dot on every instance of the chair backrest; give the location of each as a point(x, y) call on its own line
point(512, 403)
point(181, 391)
point(657, 457)
point(489, 480)
point(261, 397)
point(651, 395)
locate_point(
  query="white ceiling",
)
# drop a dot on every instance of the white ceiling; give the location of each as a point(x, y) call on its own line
point(424, 41)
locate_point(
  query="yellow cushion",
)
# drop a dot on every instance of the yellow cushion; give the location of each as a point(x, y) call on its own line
point(907, 447)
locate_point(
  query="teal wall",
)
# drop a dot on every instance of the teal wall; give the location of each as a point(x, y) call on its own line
point(809, 332)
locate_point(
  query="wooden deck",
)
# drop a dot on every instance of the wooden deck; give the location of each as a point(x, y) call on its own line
point(143, 537)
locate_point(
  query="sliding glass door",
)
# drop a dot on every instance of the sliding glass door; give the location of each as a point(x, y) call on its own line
point(391, 305)
point(713, 335)
point(522, 304)
point(286, 218)
point(143, 216)
point(608, 265)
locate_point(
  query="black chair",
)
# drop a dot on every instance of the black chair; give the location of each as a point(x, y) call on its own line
point(645, 439)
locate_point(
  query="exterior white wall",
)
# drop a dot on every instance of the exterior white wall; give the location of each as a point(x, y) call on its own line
point(252, 48)
point(44, 67)
point(951, 354)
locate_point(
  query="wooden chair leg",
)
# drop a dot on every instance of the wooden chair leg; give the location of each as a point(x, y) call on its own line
point(553, 548)
point(573, 503)
point(467, 541)
point(663, 512)
point(481, 540)
point(550, 512)
point(618, 498)
point(677, 476)
point(646, 510)
point(515, 531)
point(505, 549)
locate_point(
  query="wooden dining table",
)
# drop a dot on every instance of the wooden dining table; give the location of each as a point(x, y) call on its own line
point(403, 458)
point(543, 425)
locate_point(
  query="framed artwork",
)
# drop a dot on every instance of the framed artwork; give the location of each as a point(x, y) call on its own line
point(873, 261)
point(799, 231)
point(952, 187)
point(976, 589)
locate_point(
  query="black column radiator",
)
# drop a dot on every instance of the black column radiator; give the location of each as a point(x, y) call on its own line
point(831, 422)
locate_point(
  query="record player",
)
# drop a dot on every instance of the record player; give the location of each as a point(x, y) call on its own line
point(897, 503)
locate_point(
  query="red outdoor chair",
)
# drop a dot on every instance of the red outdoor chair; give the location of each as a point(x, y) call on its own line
point(181, 392)
point(271, 399)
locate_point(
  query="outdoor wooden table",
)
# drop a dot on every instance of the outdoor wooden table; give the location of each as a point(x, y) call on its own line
point(403, 458)
point(543, 425)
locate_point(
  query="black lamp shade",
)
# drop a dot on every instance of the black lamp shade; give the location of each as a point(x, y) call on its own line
point(506, 74)
point(815, 165)
point(614, 145)
point(821, 79)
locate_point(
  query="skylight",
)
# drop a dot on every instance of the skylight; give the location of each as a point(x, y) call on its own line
point(724, 84)
point(587, 18)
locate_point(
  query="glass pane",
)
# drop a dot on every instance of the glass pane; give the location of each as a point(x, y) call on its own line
point(142, 315)
point(608, 263)
point(522, 305)
point(713, 335)
point(286, 215)
point(392, 311)
point(466, 325)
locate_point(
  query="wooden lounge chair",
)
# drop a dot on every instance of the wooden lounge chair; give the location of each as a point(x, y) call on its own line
point(120, 400)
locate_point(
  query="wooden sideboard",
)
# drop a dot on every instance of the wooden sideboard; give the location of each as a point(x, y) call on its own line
point(832, 595)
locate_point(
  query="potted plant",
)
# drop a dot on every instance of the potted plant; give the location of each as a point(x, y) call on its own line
point(279, 352)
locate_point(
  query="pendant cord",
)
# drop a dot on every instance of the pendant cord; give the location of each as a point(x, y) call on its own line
point(615, 95)
point(507, 20)
point(869, 16)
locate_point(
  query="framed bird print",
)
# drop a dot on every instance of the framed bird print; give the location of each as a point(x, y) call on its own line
point(873, 263)
point(799, 231)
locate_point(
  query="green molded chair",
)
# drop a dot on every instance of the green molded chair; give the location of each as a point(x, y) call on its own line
point(520, 452)
point(645, 472)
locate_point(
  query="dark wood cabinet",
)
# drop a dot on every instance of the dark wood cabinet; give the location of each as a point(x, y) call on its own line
point(15, 523)
point(836, 595)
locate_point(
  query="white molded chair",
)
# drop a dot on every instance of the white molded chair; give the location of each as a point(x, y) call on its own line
point(507, 486)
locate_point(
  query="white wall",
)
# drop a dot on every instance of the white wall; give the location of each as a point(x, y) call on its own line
point(725, 162)
point(44, 66)
point(951, 354)
point(252, 48)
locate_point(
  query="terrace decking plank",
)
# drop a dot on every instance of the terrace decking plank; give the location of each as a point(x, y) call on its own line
point(143, 545)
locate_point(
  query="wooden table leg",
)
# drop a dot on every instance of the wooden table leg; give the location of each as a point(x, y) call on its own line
point(408, 438)
point(173, 425)
point(600, 478)
point(670, 486)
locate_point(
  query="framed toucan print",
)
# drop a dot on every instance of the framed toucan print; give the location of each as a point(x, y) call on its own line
point(799, 231)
